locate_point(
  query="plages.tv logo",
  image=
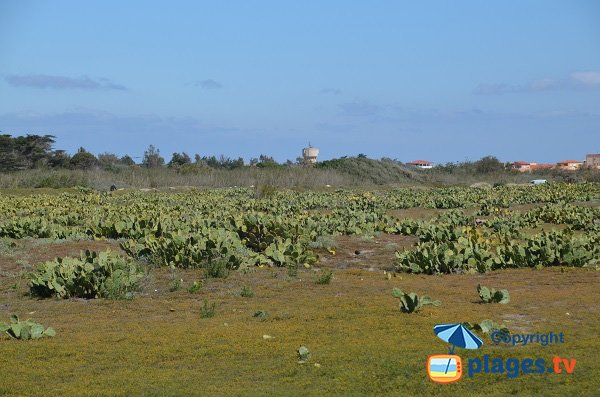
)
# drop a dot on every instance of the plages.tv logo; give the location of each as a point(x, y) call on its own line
point(448, 368)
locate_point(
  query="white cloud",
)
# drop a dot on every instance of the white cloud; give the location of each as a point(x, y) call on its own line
point(209, 84)
point(586, 78)
point(575, 81)
point(61, 82)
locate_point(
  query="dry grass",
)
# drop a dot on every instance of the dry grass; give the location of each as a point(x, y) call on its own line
point(157, 344)
point(138, 177)
point(14, 254)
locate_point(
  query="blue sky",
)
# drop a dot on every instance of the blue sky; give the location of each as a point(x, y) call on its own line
point(439, 80)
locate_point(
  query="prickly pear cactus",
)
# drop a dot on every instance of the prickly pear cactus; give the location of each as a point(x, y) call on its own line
point(490, 295)
point(25, 330)
point(411, 303)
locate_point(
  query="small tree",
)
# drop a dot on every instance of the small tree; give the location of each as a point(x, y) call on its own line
point(34, 148)
point(23, 152)
point(266, 161)
point(59, 159)
point(107, 160)
point(152, 158)
point(488, 164)
point(239, 163)
point(126, 160)
point(211, 161)
point(179, 160)
point(83, 160)
point(9, 156)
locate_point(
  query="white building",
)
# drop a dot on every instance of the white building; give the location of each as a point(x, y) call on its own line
point(423, 164)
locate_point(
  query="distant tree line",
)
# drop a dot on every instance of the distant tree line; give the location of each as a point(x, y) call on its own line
point(485, 165)
point(25, 152)
point(36, 151)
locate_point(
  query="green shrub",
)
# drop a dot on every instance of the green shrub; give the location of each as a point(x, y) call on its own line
point(176, 282)
point(265, 191)
point(410, 303)
point(208, 247)
point(261, 315)
point(325, 278)
point(25, 330)
point(92, 275)
point(489, 295)
point(285, 252)
point(324, 242)
point(175, 285)
point(462, 255)
point(217, 269)
point(292, 270)
point(246, 292)
point(487, 327)
point(61, 180)
point(195, 287)
point(207, 310)
point(550, 249)
point(303, 353)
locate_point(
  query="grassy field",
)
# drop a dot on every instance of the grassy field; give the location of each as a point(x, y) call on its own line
point(159, 344)
point(351, 171)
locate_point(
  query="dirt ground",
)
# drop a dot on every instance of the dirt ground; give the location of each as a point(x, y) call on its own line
point(361, 344)
point(18, 255)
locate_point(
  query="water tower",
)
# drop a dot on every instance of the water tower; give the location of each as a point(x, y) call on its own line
point(310, 154)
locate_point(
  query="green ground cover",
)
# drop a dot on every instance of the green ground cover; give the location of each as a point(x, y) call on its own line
point(245, 252)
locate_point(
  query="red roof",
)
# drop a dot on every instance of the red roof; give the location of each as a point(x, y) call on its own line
point(569, 162)
point(543, 166)
point(420, 162)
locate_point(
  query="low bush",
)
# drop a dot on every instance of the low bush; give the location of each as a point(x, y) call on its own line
point(325, 278)
point(175, 282)
point(208, 309)
point(195, 287)
point(217, 269)
point(25, 330)
point(261, 314)
point(92, 275)
point(303, 354)
point(246, 292)
point(487, 327)
point(324, 242)
point(490, 295)
point(411, 303)
point(472, 252)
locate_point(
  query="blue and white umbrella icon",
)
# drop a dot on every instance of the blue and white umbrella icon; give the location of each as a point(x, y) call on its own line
point(457, 335)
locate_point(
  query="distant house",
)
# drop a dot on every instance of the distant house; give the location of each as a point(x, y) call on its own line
point(523, 166)
point(570, 165)
point(423, 164)
point(542, 166)
point(592, 161)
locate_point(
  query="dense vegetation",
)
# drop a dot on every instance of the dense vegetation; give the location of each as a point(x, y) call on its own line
point(263, 281)
point(227, 229)
point(31, 162)
point(92, 275)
